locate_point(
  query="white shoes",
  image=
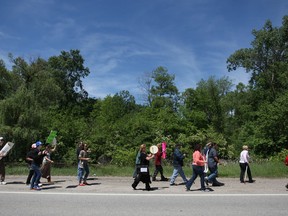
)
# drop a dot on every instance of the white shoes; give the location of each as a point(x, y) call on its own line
point(3, 183)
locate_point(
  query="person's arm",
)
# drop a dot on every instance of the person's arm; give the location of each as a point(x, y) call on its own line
point(215, 156)
point(81, 157)
point(149, 157)
point(29, 159)
point(49, 160)
point(54, 149)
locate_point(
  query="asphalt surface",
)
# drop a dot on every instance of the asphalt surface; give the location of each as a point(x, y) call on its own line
point(115, 196)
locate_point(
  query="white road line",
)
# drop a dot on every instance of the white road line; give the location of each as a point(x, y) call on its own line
point(138, 194)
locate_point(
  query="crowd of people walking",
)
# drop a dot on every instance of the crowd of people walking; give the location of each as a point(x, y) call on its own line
point(204, 164)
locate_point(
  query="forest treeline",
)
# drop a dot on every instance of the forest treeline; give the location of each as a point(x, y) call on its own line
point(39, 95)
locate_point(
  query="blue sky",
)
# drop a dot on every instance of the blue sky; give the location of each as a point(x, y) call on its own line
point(121, 40)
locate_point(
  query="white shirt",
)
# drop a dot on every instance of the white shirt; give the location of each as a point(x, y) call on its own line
point(244, 157)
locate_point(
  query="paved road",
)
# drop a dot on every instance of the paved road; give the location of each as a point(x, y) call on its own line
point(115, 196)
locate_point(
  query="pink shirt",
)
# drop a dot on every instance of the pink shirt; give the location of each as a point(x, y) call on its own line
point(198, 159)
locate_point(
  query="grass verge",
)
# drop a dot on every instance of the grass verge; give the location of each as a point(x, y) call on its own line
point(231, 170)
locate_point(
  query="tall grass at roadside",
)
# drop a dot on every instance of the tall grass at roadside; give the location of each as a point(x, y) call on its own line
point(231, 170)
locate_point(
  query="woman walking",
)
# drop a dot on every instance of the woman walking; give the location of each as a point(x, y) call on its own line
point(143, 170)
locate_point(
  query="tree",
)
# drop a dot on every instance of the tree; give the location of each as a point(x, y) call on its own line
point(267, 60)
point(206, 101)
point(163, 92)
point(263, 125)
point(68, 69)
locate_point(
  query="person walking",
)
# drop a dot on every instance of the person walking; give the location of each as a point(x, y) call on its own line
point(37, 156)
point(46, 165)
point(213, 162)
point(178, 162)
point(83, 167)
point(158, 164)
point(198, 163)
point(244, 165)
point(29, 161)
point(143, 169)
point(2, 163)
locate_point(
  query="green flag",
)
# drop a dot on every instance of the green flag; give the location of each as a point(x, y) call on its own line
point(51, 136)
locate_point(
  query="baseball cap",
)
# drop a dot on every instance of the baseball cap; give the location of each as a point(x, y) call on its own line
point(38, 143)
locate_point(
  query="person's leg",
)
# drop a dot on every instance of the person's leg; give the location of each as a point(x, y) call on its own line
point(192, 179)
point(181, 172)
point(213, 174)
point(147, 186)
point(155, 173)
point(2, 171)
point(30, 175)
point(87, 171)
point(174, 175)
point(163, 178)
point(242, 171)
point(202, 176)
point(80, 174)
point(34, 177)
point(38, 176)
point(136, 180)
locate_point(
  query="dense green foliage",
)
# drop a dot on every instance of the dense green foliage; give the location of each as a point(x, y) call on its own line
point(43, 95)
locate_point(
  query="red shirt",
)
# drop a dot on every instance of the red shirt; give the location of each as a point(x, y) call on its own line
point(157, 158)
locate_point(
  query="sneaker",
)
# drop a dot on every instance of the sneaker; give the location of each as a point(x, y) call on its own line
point(205, 190)
point(172, 184)
point(35, 188)
point(40, 185)
point(3, 183)
point(81, 184)
point(133, 186)
point(86, 183)
point(218, 184)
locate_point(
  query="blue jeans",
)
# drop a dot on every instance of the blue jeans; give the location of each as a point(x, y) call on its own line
point(83, 173)
point(197, 170)
point(213, 174)
point(178, 170)
point(36, 176)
